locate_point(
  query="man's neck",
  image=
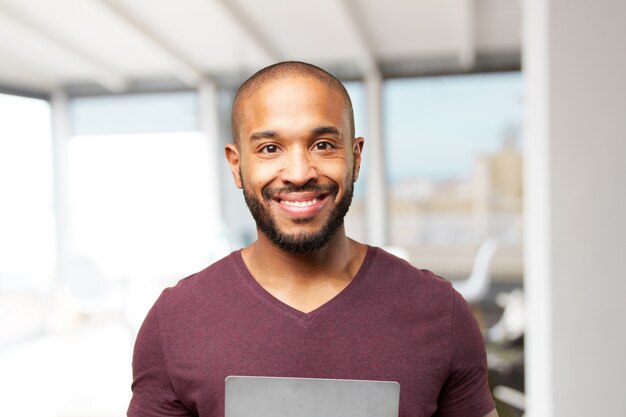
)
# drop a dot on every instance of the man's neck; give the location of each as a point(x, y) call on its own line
point(305, 281)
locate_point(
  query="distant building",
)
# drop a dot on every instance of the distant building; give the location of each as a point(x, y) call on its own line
point(497, 179)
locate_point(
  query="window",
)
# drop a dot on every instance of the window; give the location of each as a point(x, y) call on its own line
point(138, 185)
point(454, 167)
point(26, 216)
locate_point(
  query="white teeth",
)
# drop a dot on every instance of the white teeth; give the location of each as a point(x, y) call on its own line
point(299, 203)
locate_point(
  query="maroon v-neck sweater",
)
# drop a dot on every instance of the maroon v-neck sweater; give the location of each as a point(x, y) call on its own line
point(391, 323)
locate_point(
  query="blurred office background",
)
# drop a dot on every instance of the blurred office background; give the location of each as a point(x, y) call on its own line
point(495, 155)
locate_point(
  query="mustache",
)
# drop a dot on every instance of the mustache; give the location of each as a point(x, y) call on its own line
point(271, 192)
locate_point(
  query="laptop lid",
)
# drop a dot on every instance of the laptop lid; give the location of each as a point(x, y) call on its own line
point(248, 396)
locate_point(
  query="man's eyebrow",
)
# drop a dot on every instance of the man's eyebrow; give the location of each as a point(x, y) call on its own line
point(326, 130)
point(265, 134)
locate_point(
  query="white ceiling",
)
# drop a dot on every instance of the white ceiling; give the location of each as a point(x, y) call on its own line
point(115, 44)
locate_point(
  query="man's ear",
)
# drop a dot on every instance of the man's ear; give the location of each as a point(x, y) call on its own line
point(232, 156)
point(357, 152)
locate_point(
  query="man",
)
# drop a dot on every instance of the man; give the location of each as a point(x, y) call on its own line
point(304, 300)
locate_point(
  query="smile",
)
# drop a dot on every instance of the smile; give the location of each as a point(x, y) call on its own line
point(299, 203)
point(300, 206)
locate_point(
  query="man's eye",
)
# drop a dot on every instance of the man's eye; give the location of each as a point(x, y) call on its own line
point(323, 146)
point(269, 149)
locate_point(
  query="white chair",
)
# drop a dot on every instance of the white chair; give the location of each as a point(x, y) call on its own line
point(88, 291)
point(398, 251)
point(510, 396)
point(475, 288)
point(88, 295)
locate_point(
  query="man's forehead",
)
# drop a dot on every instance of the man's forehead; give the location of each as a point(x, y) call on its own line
point(300, 86)
point(294, 100)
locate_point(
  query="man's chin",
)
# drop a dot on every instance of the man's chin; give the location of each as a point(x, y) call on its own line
point(302, 242)
point(302, 229)
point(303, 220)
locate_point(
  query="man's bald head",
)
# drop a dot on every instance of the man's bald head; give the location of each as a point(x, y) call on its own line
point(285, 70)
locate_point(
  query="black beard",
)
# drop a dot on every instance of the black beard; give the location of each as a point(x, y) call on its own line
point(300, 243)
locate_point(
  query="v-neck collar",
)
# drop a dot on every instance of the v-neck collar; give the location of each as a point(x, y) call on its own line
point(284, 308)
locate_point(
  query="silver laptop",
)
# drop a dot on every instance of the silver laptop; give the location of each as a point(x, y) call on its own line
point(249, 396)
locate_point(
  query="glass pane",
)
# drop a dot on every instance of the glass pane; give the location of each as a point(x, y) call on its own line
point(455, 168)
point(26, 220)
point(355, 219)
point(27, 248)
point(140, 203)
point(135, 113)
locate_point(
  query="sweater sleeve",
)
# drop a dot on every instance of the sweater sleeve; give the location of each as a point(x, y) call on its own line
point(465, 392)
point(153, 392)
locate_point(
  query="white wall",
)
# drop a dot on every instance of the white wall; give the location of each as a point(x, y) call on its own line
point(575, 69)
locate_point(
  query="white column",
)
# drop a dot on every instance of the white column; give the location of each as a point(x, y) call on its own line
point(209, 125)
point(575, 175)
point(376, 186)
point(61, 132)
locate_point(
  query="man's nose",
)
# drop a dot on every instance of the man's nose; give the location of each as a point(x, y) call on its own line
point(299, 168)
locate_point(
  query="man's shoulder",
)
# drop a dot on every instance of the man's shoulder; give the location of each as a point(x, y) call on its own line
point(391, 265)
point(408, 283)
point(206, 283)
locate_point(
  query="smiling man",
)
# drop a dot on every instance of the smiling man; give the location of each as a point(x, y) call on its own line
point(304, 300)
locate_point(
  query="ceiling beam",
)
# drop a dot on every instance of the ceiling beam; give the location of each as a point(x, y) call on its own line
point(365, 56)
point(246, 25)
point(183, 69)
point(21, 70)
point(19, 77)
point(23, 92)
point(98, 71)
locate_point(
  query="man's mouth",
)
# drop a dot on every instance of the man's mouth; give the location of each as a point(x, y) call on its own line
point(299, 203)
point(301, 206)
point(306, 193)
